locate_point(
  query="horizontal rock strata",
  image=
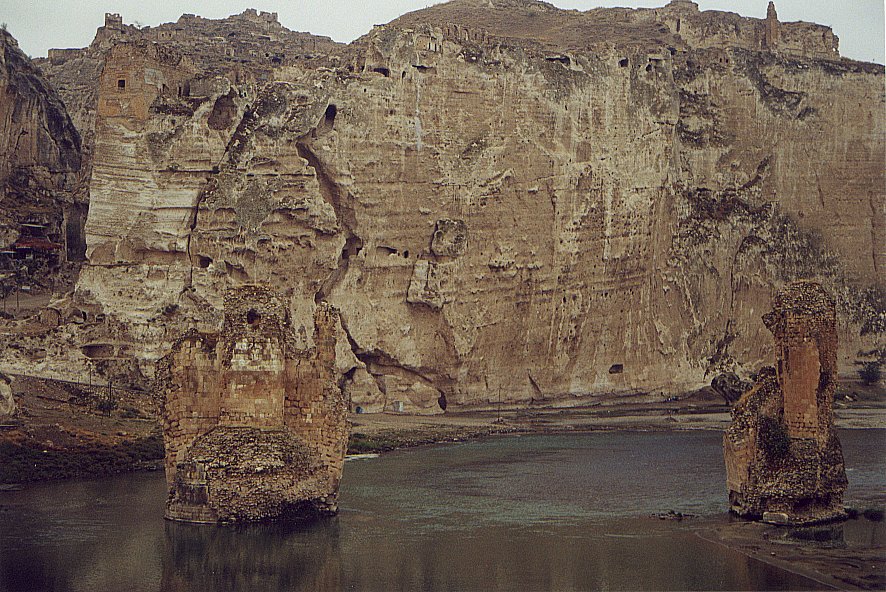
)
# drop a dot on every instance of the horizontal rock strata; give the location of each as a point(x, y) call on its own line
point(502, 198)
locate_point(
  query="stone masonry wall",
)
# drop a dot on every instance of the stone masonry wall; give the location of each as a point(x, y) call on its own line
point(804, 323)
point(314, 407)
point(254, 426)
point(783, 459)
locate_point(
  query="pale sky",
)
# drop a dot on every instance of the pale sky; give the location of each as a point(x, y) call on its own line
point(41, 24)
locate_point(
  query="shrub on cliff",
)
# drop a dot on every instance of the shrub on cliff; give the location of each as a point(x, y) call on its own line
point(106, 406)
point(870, 372)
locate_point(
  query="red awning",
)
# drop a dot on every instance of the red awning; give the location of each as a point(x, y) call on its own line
point(37, 244)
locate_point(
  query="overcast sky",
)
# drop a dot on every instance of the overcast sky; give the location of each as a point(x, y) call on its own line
point(41, 24)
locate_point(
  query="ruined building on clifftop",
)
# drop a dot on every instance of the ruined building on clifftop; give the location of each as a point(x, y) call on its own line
point(783, 459)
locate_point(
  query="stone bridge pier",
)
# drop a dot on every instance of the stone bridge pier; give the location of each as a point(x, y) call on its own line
point(784, 463)
point(255, 427)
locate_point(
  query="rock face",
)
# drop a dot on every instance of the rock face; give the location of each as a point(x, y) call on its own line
point(783, 459)
point(499, 197)
point(255, 425)
point(41, 214)
point(7, 402)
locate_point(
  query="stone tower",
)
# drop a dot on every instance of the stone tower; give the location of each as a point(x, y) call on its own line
point(772, 31)
point(255, 428)
point(783, 459)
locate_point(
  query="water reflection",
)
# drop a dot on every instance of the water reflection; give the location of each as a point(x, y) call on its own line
point(260, 557)
point(857, 532)
point(625, 555)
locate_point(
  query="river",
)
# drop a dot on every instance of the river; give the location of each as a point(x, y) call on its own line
point(539, 512)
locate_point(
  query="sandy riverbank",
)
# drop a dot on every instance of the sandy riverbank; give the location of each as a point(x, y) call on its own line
point(847, 555)
point(388, 431)
point(59, 431)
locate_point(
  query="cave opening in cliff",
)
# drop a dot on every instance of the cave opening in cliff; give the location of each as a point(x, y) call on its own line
point(204, 261)
point(386, 72)
point(616, 369)
point(352, 248)
point(121, 84)
point(623, 62)
point(328, 123)
point(224, 112)
point(252, 317)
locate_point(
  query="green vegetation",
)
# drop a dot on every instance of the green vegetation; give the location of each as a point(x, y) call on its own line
point(774, 437)
point(870, 372)
point(24, 463)
point(106, 405)
point(362, 444)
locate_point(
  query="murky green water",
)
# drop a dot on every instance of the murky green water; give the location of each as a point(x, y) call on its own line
point(530, 513)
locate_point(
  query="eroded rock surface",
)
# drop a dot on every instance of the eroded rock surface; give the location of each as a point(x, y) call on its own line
point(255, 424)
point(783, 458)
point(7, 401)
point(499, 197)
point(41, 210)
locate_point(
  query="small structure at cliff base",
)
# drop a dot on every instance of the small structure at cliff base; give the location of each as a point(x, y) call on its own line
point(7, 401)
point(255, 428)
point(784, 463)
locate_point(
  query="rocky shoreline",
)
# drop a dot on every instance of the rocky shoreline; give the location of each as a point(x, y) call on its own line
point(380, 433)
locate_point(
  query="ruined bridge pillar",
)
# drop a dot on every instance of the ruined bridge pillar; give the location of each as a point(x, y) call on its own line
point(783, 459)
point(255, 428)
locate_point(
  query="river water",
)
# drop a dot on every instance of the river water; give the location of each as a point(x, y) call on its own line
point(541, 512)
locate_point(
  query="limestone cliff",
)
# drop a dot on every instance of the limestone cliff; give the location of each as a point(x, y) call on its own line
point(499, 197)
point(41, 217)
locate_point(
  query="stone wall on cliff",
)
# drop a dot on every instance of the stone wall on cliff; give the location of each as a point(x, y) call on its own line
point(498, 197)
point(243, 47)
